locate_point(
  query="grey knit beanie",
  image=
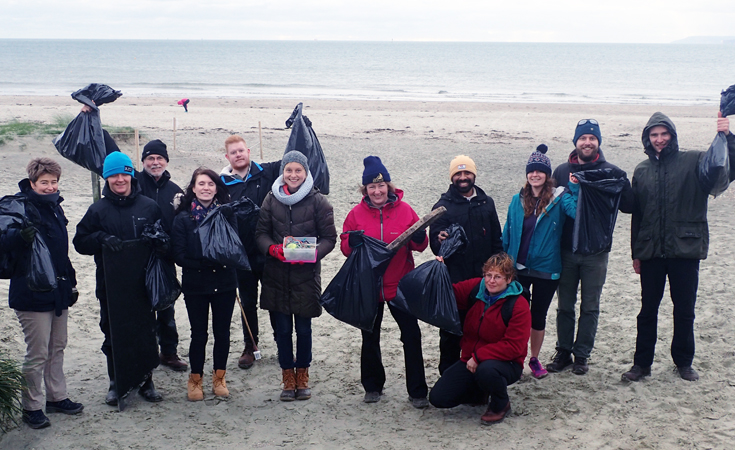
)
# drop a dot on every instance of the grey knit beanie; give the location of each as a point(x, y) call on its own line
point(297, 157)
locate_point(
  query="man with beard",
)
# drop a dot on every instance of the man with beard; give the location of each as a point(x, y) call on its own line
point(247, 179)
point(589, 270)
point(468, 206)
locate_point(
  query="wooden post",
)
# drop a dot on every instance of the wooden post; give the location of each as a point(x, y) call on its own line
point(260, 135)
point(137, 150)
point(95, 187)
point(174, 134)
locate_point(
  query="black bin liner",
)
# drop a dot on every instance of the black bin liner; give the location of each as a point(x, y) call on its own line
point(83, 142)
point(353, 294)
point(304, 140)
point(41, 272)
point(220, 241)
point(161, 284)
point(426, 292)
point(597, 209)
point(246, 213)
point(727, 101)
point(713, 170)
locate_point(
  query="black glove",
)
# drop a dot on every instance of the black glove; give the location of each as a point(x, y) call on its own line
point(227, 210)
point(355, 239)
point(419, 236)
point(113, 243)
point(28, 234)
point(74, 296)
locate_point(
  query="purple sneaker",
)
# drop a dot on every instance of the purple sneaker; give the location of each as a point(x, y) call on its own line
point(537, 370)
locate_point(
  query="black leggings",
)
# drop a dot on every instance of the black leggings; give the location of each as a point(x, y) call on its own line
point(197, 306)
point(541, 296)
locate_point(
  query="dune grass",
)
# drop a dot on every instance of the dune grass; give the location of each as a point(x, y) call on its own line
point(11, 384)
point(11, 130)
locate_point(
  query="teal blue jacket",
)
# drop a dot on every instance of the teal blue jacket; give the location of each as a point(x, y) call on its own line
point(544, 254)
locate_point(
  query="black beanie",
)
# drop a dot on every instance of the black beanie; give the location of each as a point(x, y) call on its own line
point(375, 171)
point(539, 161)
point(156, 147)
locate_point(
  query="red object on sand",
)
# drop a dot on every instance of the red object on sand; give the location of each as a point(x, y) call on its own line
point(181, 102)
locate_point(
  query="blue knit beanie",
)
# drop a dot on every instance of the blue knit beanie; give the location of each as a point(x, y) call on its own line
point(375, 171)
point(539, 161)
point(588, 126)
point(115, 163)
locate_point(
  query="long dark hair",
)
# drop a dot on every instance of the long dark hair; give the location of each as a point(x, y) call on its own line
point(547, 192)
point(222, 196)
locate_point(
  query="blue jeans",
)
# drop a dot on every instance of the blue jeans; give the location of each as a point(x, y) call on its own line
point(590, 271)
point(284, 340)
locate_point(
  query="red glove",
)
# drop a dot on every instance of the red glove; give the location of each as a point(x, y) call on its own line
point(276, 251)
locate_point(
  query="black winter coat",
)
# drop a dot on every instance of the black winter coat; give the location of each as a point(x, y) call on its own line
point(123, 217)
point(480, 221)
point(162, 192)
point(50, 222)
point(199, 275)
point(561, 175)
point(294, 288)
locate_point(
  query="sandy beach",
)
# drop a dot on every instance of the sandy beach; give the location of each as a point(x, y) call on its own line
point(416, 141)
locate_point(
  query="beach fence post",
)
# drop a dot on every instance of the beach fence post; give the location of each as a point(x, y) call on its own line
point(95, 187)
point(174, 134)
point(260, 135)
point(137, 149)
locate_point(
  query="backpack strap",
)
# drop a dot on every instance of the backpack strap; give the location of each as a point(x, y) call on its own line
point(506, 311)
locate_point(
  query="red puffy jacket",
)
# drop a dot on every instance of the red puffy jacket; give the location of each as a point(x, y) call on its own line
point(386, 224)
point(485, 335)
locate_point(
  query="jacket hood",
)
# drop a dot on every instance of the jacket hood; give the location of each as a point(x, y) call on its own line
point(25, 188)
point(574, 158)
point(514, 288)
point(229, 179)
point(453, 195)
point(660, 119)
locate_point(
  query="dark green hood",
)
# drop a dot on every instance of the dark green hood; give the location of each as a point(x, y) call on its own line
point(657, 119)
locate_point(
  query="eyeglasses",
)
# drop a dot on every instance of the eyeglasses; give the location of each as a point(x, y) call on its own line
point(584, 121)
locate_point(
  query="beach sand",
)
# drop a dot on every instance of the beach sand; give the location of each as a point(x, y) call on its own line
point(416, 141)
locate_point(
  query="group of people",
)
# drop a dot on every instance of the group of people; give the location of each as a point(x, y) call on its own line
point(503, 281)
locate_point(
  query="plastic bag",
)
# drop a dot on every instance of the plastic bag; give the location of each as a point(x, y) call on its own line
point(220, 242)
point(12, 215)
point(83, 142)
point(597, 209)
point(161, 284)
point(426, 292)
point(246, 213)
point(727, 101)
point(353, 294)
point(304, 140)
point(41, 272)
point(713, 170)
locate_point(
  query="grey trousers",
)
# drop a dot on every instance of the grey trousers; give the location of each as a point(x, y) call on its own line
point(590, 271)
point(45, 336)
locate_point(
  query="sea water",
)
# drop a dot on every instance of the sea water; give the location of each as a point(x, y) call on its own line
point(426, 71)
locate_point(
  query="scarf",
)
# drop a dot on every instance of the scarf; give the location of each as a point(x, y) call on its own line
point(198, 211)
point(289, 200)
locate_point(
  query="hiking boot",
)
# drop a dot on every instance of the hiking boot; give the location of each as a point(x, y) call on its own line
point(537, 370)
point(36, 419)
point(65, 406)
point(491, 418)
point(288, 394)
point(219, 385)
point(174, 362)
point(148, 391)
point(194, 388)
point(637, 373)
point(371, 397)
point(111, 397)
point(303, 392)
point(247, 359)
point(562, 360)
point(580, 366)
point(687, 373)
point(419, 402)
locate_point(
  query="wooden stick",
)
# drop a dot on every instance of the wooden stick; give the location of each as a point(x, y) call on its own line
point(260, 135)
point(95, 187)
point(137, 149)
point(420, 225)
point(174, 134)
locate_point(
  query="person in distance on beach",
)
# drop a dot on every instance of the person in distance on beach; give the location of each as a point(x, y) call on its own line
point(382, 214)
point(669, 236)
point(205, 284)
point(291, 290)
point(100, 228)
point(589, 270)
point(245, 178)
point(494, 342)
point(43, 315)
point(532, 235)
point(468, 206)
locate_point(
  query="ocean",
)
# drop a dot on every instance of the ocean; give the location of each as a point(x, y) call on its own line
point(668, 74)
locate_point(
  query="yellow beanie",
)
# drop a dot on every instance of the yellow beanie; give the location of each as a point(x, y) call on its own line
point(461, 163)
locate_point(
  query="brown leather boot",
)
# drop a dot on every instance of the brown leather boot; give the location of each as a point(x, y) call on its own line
point(288, 394)
point(194, 388)
point(219, 387)
point(247, 359)
point(303, 392)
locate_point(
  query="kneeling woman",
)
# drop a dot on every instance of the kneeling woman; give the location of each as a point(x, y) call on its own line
point(291, 291)
point(494, 342)
point(205, 283)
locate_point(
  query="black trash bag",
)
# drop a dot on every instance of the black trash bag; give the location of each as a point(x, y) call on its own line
point(220, 242)
point(12, 215)
point(426, 292)
point(727, 101)
point(83, 141)
point(713, 170)
point(304, 140)
point(353, 295)
point(597, 209)
point(246, 213)
point(161, 284)
point(41, 275)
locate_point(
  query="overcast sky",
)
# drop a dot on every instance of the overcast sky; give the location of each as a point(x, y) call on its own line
point(620, 21)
